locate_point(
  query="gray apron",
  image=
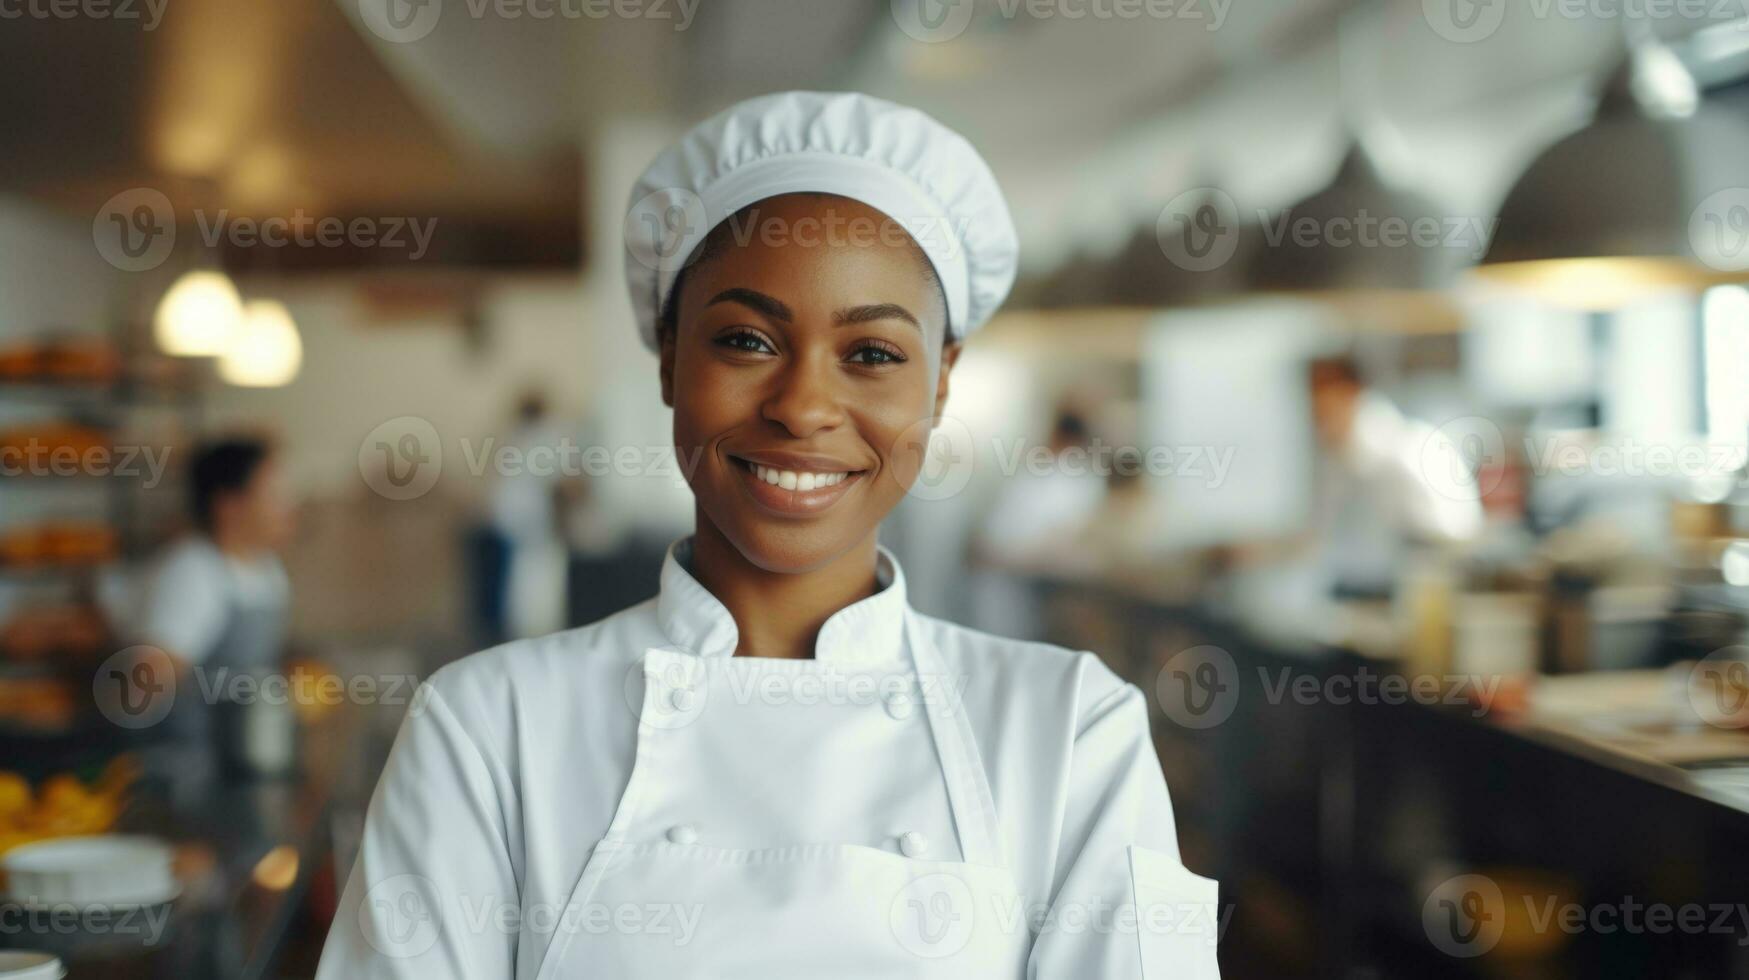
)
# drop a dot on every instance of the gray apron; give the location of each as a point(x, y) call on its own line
point(251, 644)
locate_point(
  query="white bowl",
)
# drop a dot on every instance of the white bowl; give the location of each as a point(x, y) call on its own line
point(30, 966)
point(104, 870)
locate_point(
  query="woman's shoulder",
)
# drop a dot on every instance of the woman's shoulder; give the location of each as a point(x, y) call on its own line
point(1078, 680)
point(556, 665)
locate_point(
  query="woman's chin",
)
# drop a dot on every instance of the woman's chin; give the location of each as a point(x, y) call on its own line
point(791, 549)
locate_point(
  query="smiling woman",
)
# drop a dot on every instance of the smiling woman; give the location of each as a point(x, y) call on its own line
point(802, 366)
point(778, 750)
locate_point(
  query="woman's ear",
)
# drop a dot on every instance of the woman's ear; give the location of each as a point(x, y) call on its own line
point(665, 363)
point(950, 355)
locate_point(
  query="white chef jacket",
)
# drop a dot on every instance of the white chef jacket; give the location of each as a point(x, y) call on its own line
point(521, 766)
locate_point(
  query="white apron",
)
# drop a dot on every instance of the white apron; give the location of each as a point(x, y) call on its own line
point(897, 872)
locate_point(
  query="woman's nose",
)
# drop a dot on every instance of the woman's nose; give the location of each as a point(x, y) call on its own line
point(805, 400)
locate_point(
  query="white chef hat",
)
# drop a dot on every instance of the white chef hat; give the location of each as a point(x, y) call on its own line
point(894, 159)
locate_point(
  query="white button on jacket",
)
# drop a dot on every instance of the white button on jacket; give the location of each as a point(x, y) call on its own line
point(539, 815)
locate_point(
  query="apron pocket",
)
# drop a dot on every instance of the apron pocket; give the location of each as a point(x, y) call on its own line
point(1177, 917)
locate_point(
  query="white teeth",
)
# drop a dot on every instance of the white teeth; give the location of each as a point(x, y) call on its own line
point(798, 480)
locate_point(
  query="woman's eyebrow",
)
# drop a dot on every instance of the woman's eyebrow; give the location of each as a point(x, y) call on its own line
point(755, 300)
point(875, 311)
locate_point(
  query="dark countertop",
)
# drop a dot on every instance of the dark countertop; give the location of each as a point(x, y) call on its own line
point(1623, 721)
point(247, 852)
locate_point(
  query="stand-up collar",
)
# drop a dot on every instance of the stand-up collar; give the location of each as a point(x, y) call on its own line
point(866, 630)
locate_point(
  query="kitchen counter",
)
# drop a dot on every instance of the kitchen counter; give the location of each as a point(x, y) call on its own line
point(247, 853)
point(1332, 815)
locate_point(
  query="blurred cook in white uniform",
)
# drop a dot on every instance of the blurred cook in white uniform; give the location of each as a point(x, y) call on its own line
point(525, 506)
point(1385, 483)
point(776, 767)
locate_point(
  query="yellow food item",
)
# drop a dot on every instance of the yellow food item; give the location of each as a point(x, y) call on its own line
point(15, 795)
point(117, 776)
point(62, 793)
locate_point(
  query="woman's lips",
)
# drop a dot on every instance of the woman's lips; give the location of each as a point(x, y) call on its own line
point(792, 502)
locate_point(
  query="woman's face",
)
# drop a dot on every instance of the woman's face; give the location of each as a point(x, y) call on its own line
point(807, 351)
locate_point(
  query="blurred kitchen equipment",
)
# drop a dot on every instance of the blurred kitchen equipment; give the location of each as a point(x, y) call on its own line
point(1660, 153)
point(1626, 624)
point(257, 736)
point(18, 965)
point(113, 870)
point(1496, 634)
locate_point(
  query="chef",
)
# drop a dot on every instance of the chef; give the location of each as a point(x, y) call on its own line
point(776, 767)
point(216, 600)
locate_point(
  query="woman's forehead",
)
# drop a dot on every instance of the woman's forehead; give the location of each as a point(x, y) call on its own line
point(820, 249)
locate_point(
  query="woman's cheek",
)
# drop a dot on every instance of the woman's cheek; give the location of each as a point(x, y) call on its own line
point(903, 444)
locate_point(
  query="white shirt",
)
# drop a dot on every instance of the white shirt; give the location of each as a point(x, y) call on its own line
point(518, 767)
point(1035, 515)
point(1397, 481)
point(190, 595)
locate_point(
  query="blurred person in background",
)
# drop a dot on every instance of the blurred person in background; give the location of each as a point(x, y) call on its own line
point(1036, 514)
point(525, 510)
point(219, 596)
point(1035, 518)
point(1376, 494)
point(1383, 485)
point(1125, 532)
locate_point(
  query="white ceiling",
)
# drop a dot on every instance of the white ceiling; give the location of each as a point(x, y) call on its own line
point(1092, 123)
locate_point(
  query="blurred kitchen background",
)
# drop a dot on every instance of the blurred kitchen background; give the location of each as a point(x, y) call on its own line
point(1375, 395)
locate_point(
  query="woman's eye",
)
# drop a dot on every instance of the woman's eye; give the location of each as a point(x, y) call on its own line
point(874, 354)
point(746, 340)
